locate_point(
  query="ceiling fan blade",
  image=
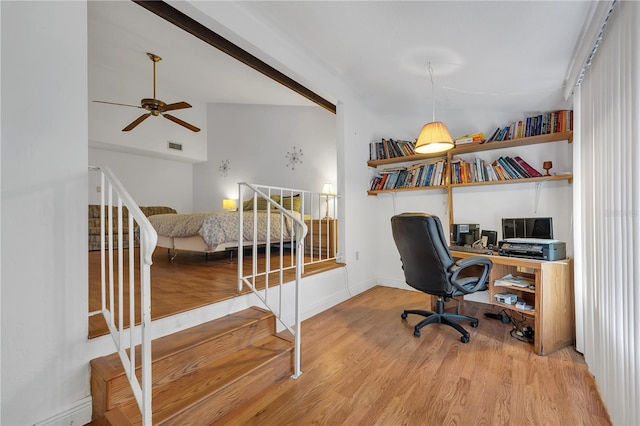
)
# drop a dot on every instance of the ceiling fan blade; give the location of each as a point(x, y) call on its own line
point(176, 105)
point(136, 122)
point(180, 122)
point(114, 103)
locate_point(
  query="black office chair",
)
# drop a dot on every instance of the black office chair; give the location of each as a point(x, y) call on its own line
point(429, 267)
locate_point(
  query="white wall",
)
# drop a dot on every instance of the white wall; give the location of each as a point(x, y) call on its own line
point(45, 352)
point(150, 181)
point(484, 205)
point(255, 140)
point(44, 209)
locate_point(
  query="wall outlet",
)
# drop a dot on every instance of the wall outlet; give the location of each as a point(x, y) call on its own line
point(357, 255)
point(98, 189)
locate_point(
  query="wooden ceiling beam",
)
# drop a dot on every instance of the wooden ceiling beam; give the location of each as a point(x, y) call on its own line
point(190, 25)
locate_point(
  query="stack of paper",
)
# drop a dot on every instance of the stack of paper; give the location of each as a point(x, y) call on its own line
point(511, 281)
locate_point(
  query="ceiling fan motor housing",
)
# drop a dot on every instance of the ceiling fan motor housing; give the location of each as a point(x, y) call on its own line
point(155, 106)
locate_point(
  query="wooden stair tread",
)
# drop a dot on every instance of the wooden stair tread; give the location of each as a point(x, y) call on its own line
point(172, 397)
point(110, 367)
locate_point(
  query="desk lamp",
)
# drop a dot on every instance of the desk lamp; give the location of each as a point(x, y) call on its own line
point(327, 189)
point(229, 204)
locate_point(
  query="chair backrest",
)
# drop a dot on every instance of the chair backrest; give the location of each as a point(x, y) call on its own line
point(424, 252)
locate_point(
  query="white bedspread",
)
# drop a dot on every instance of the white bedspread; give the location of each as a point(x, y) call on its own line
point(217, 228)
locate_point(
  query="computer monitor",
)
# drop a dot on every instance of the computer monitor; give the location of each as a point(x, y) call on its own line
point(464, 234)
point(534, 227)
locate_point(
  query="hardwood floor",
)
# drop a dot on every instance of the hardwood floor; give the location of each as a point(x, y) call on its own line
point(207, 280)
point(362, 366)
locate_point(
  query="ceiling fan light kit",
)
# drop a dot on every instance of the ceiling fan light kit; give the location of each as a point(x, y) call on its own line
point(155, 106)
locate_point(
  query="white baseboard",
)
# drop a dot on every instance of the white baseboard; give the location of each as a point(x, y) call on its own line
point(79, 413)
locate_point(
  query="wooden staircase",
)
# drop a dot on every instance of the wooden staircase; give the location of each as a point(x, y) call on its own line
point(199, 374)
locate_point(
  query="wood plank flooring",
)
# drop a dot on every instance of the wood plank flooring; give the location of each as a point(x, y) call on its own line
point(189, 281)
point(362, 366)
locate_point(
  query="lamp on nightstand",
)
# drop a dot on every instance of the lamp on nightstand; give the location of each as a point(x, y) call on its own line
point(327, 190)
point(229, 204)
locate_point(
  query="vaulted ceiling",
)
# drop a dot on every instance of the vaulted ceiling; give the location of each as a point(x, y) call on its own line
point(483, 54)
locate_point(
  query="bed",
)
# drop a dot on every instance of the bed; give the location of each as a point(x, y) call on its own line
point(211, 232)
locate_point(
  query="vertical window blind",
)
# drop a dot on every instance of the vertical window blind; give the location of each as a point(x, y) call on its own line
point(608, 210)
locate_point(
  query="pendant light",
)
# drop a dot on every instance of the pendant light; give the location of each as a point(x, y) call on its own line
point(434, 136)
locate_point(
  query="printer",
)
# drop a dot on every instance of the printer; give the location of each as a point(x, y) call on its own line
point(533, 248)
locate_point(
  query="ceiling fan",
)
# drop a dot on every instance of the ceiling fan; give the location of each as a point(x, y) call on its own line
point(156, 106)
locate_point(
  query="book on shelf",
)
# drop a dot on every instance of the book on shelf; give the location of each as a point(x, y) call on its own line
point(517, 167)
point(500, 172)
point(535, 125)
point(493, 136)
point(532, 172)
point(423, 174)
point(390, 148)
point(491, 173)
point(509, 169)
point(468, 139)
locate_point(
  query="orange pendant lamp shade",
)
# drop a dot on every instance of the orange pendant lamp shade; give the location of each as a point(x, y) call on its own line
point(434, 137)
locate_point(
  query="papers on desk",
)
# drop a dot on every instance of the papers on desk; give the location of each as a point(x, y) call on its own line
point(511, 281)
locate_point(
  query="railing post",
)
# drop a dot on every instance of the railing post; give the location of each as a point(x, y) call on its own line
point(240, 255)
point(142, 390)
point(298, 325)
point(297, 233)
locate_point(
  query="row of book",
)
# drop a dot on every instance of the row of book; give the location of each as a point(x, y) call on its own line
point(504, 168)
point(425, 174)
point(541, 124)
point(390, 148)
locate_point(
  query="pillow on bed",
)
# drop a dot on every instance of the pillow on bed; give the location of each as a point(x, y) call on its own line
point(261, 204)
point(291, 202)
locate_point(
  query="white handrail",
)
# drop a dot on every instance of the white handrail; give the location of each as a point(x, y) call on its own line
point(297, 247)
point(148, 238)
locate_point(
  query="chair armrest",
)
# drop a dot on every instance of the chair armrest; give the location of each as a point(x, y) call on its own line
point(462, 264)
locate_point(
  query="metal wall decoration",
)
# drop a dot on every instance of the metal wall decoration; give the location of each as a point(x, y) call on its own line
point(224, 168)
point(294, 157)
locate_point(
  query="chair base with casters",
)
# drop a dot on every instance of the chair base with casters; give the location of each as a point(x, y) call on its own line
point(441, 317)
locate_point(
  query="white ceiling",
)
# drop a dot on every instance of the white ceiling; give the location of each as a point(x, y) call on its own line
point(499, 56)
point(120, 35)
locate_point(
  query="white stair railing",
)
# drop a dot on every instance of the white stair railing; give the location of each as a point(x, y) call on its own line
point(113, 277)
point(289, 207)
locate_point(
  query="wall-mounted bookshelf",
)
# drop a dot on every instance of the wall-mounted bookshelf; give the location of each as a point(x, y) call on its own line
point(448, 182)
point(471, 148)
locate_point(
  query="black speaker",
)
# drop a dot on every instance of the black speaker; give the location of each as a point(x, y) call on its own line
point(492, 238)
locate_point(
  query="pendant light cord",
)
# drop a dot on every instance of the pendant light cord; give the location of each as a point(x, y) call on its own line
point(433, 94)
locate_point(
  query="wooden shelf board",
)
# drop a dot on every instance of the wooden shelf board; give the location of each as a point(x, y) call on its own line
point(414, 188)
point(531, 140)
point(513, 143)
point(568, 177)
point(515, 288)
point(406, 159)
point(531, 312)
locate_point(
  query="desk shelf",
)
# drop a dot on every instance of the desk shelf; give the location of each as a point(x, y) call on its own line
point(552, 299)
point(530, 312)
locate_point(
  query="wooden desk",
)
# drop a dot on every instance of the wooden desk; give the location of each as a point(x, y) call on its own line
point(552, 299)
